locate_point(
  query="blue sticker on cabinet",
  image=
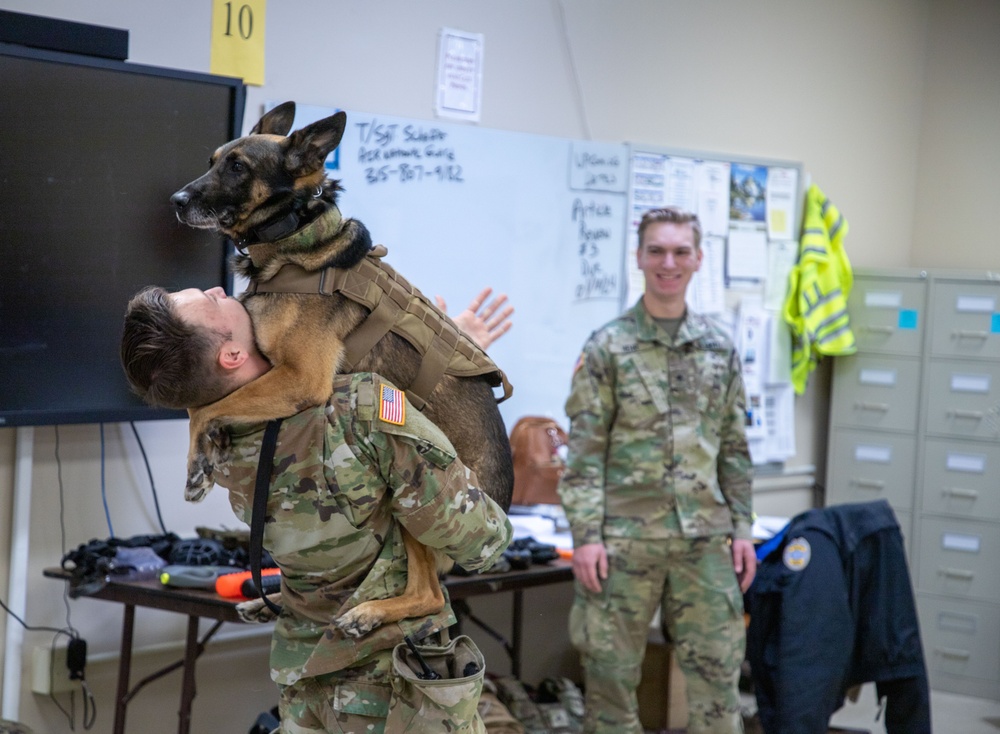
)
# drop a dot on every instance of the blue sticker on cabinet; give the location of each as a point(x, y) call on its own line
point(908, 318)
point(995, 323)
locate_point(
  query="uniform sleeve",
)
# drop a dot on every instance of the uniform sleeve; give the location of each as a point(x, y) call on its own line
point(590, 408)
point(735, 468)
point(437, 498)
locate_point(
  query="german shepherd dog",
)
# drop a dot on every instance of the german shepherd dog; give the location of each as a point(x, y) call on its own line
point(271, 182)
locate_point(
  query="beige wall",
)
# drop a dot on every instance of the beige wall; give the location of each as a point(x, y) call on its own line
point(958, 156)
point(891, 106)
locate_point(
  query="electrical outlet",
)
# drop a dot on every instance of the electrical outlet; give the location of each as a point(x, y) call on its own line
point(49, 673)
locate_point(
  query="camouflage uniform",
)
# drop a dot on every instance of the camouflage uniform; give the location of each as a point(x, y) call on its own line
point(659, 471)
point(344, 481)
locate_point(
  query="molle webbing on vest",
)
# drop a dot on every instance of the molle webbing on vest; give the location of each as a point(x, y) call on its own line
point(395, 306)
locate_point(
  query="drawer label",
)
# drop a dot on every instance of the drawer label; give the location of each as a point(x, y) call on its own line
point(955, 622)
point(973, 463)
point(975, 304)
point(875, 454)
point(960, 542)
point(877, 377)
point(883, 299)
point(970, 383)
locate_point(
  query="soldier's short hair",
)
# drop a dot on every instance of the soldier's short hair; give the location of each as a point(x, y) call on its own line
point(674, 215)
point(167, 362)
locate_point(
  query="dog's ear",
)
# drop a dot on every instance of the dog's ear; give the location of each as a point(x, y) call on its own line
point(306, 149)
point(276, 122)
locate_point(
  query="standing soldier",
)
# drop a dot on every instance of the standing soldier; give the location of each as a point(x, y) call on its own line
point(658, 494)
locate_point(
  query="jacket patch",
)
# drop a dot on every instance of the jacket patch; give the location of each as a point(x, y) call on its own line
point(797, 554)
point(391, 405)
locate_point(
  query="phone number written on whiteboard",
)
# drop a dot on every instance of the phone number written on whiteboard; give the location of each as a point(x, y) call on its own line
point(405, 173)
point(409, 153)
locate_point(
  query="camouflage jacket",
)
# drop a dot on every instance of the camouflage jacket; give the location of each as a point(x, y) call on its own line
point(657, 444)
point(344, 480)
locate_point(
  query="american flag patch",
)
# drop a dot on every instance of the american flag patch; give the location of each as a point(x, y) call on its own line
point(392, 406)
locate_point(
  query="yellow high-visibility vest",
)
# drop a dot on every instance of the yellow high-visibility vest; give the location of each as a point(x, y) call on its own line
point(818, 287)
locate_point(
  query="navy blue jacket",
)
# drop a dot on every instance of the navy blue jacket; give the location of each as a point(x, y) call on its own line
point(832, 607)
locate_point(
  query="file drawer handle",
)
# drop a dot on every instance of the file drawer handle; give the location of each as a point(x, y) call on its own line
point(881, 407)
point(970, 334)
point(868, 483)
point(951, 652)
point(957, 573)
point(976, 415)
point(876, 329)
point(968, 494)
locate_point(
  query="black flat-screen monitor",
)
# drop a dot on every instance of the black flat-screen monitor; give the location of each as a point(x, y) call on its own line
point(90, 152)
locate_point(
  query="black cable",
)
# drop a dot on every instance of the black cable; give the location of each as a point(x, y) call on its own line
point(104, 486)
point(31, 628)
point(149, 471)
point(89, 705)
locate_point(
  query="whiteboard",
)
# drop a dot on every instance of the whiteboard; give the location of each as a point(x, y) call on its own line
point(459, 208)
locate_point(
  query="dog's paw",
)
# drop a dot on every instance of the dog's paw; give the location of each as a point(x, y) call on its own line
point(359, 621)
point(199, 480)
point(220, 443)
point(256, 611)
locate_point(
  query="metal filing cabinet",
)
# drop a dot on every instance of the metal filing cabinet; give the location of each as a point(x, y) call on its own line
point(915, 419)
point(874, 406)
point(957, 528)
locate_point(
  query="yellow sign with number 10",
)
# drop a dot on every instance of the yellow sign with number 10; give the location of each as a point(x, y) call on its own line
point(238, 39)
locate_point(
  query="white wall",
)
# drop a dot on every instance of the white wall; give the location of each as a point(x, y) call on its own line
point(891, 106)
point(959, 150)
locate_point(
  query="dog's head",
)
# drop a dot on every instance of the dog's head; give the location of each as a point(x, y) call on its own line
point(257, 180)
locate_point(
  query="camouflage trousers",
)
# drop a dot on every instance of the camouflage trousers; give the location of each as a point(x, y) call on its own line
point(694, 584)
point(378, 697)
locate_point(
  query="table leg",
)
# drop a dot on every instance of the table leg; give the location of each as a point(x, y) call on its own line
point(124, 668)
point(515, 636)
point(188, 687)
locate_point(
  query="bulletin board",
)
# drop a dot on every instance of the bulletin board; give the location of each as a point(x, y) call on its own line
point(750, 212)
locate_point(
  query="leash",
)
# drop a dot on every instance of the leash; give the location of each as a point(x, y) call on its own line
point(262, 487)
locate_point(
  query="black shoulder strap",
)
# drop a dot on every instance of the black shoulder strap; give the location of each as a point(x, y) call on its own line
point(262, 488)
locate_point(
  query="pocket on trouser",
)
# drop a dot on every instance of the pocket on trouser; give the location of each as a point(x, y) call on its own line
point(334, 705)
point(449, 703)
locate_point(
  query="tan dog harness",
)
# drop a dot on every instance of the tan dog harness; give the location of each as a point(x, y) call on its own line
point(395, 306)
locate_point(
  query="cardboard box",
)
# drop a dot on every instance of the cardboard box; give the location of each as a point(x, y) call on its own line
point(661, 693)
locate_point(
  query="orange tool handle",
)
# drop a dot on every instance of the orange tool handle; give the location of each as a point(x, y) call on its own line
point(229, 585)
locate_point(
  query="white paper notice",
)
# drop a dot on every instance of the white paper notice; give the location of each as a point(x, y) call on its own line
point(460, 75)
point(751, 341)
point(781, 257)
point(713, 197)
point(680, 184)
point(779, 403)
point(747, 256)
point(707, 292)
point(782, 193)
